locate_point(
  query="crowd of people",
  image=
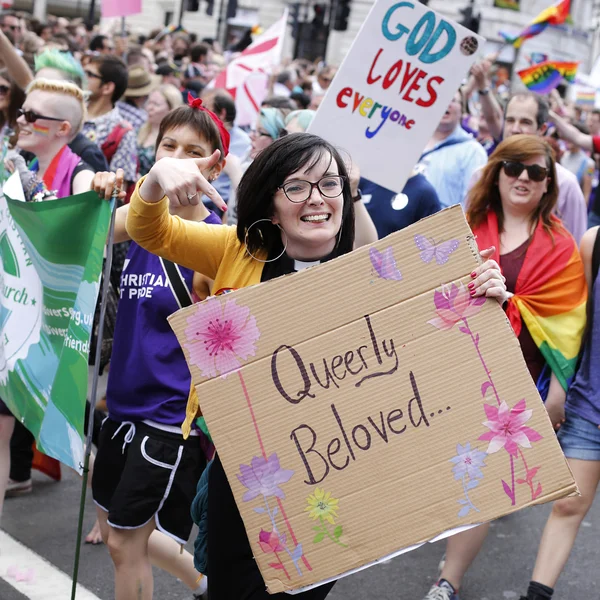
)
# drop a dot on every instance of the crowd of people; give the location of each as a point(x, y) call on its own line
point(207, 206)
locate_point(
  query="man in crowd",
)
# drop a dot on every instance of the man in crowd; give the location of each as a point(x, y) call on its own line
point(451, 156)
point(102, 44)
point(11, 26)
point(576, 160)
point(285, 82)
point(107, 81)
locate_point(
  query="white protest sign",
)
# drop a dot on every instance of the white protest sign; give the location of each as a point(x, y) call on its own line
point(396, 82)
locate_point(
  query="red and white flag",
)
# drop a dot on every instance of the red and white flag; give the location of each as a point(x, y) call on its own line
point(246, 78)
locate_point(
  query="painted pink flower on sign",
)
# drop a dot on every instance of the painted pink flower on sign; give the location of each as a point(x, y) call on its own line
point(271, 542)
point(507, 428)
point(220, 336)
point(263, 477)
point(453, 303)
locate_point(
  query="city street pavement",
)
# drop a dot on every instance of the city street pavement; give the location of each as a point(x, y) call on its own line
point(46, 522)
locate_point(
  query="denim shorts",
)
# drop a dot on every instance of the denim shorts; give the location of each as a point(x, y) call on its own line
point(579, 438)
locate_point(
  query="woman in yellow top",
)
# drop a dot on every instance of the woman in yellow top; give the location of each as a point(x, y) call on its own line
point(295, 209)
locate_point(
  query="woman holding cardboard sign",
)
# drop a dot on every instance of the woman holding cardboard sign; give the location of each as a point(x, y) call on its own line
point(511, 208)
point(295, 210)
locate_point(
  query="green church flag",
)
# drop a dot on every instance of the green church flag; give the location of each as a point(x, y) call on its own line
point(51, 261)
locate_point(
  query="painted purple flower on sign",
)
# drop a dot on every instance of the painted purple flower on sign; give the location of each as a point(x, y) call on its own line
point(468, 462)
point(507, 428)
point(220, 336)
point(453, 303)
point(263, 477)
point(271, 542)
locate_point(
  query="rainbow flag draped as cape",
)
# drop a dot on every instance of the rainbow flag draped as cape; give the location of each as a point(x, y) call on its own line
point(553, 15)
point(544, 77)
point(550, 294)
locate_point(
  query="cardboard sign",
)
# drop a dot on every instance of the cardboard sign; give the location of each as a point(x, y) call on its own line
point(368, 405)
point(396, 82)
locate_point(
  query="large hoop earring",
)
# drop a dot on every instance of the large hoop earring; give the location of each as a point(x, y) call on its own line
point(271, 259)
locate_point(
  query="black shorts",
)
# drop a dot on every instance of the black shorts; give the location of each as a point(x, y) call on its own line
point(149, 474)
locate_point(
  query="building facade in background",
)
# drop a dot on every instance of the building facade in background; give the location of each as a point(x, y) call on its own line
point(312, 33)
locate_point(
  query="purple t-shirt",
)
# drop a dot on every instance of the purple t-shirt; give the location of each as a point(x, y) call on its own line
point(148, 377)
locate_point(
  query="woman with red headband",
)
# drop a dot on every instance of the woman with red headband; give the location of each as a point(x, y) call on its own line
point(145, 473)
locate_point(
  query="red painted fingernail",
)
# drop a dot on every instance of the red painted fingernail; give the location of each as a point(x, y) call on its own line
point(472, 292)
point(473, 274)
point(471, 285)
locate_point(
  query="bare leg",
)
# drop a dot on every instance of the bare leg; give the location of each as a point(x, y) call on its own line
point(102, 520)
point(563, 523)
point(461, 551)
point(7, 424)
point(165, 553)
point(129, 552)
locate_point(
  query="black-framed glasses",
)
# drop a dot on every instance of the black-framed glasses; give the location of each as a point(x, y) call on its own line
point(299, 190)
point(534, 172)
point(31, 116)
point(4, 89)
point(92, 75)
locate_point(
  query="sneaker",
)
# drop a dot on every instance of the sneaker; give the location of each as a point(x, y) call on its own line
point(442, 590)
point(18, 488)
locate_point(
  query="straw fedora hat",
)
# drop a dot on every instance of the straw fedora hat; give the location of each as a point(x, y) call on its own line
point(140, 82)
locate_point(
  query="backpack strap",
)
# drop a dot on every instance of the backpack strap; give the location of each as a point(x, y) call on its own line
point(112, 141)
point(180, 290)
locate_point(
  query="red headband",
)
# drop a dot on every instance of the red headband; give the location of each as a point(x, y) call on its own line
point(196, 103)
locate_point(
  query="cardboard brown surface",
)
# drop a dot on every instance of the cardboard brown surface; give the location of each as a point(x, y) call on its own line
point(357, 421)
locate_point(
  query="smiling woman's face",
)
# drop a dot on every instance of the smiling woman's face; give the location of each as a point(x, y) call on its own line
point(522, 193)
point(310, 228)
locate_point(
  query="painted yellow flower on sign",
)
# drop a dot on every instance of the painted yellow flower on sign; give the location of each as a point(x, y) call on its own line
point(322, 506)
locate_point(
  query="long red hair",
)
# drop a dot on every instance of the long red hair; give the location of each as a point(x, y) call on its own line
point(485, 194)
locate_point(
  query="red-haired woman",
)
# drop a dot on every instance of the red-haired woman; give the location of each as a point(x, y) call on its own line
point(511, 208)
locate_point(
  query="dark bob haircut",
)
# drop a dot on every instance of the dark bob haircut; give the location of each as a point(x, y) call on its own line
point(264, 176)
point(198, 120)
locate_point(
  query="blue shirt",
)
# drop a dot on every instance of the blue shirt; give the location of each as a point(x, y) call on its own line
point(391, 212)
point(450, 165)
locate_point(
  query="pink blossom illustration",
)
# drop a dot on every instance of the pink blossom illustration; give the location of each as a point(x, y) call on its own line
point(507, 428)
point(453, 304)
point(220, 336)
point(263, 477)
point(271, 542)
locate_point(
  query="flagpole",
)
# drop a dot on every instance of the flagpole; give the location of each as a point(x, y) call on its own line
point(95, 377)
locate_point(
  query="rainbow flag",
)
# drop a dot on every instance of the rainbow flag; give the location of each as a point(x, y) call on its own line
point(553, 15)
point(586, 98)
point(544, 77)
point(550, 294)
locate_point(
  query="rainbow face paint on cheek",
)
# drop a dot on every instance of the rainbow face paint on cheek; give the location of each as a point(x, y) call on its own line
point(40, 129)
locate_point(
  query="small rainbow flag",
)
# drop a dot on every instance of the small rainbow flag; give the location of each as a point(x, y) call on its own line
point(585, 98)
point(544, 77)
point(553, 15)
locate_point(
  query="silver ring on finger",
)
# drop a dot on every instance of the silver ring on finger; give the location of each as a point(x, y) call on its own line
point(190, 196)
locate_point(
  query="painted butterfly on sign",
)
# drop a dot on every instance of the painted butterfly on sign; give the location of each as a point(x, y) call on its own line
point(441, 251)
point(385, 264)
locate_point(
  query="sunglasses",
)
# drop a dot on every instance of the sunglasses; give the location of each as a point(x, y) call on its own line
point(31, 116)
point(4, 89)
point(11, 27)
point(92, 74)
point(534, 172)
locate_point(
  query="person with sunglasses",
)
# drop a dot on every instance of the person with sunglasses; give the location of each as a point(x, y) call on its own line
point(52, 115)
point(11, 26)
point(511, 208)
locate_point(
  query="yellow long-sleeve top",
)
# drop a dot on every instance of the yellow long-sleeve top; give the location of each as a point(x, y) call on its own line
point(213, 250)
